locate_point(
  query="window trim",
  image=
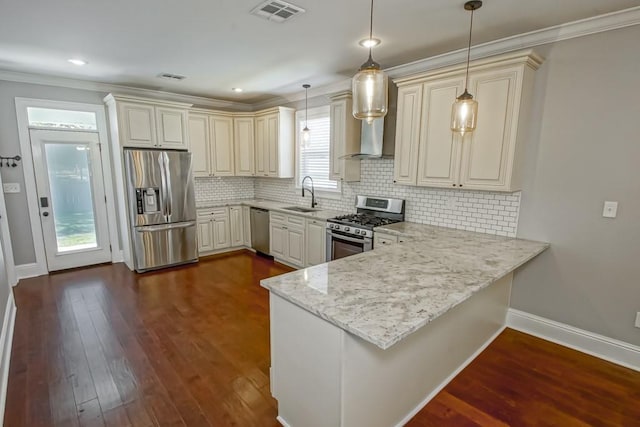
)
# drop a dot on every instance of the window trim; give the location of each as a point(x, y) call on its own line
point(315, 112)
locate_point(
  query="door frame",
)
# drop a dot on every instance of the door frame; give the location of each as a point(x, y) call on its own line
point(39, 268)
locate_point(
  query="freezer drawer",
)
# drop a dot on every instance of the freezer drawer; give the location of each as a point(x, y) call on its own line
point(157, 246)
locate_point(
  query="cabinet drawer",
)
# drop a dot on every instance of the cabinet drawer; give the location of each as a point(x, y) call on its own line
point(277, 217)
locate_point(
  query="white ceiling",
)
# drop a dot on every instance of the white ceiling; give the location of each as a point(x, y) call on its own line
point(218, 45)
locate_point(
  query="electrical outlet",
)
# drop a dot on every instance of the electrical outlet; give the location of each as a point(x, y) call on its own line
point(11, 187)
point(638, 319)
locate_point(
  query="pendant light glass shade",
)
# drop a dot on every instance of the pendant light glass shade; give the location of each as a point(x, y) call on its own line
point(370, 88)
point(306, 135)
point(464, 114)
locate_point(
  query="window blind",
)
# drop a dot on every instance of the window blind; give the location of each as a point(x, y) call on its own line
point(313, 156)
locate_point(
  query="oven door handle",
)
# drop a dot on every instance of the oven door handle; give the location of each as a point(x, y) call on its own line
point(346, 238)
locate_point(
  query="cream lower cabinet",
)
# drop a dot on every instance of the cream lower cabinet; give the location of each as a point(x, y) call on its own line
point(214, 229)
point(246, 226)
point(429, 154)
point(316, 238)
point(287, 238)
point(236, 226)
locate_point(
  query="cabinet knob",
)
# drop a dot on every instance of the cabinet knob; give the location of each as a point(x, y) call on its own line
point(453, 185)
point(460, 185)
point(394, 181)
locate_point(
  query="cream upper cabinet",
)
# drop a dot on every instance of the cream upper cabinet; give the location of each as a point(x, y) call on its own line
point(171, 124)
point(489, 158)
point(439, 148)
point(489, 152)
point(244, 142)
point(221, 146)
point(274, 143)
point(407, 134)
point(199, 144)
point(137, 125)
point(146, 123)
point(344, 139)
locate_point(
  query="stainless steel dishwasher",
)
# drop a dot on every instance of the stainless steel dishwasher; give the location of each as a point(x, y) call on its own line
point(260, 230)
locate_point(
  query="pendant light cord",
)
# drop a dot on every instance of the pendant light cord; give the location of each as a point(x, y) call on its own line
point(370, 28)
point(306, 107)
point(466, 80)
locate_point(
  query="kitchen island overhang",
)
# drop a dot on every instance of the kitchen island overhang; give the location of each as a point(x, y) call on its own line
point(369, 339)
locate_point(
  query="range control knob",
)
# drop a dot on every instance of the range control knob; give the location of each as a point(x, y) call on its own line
point(330, 225)
point(357, 231)
point(347, 229)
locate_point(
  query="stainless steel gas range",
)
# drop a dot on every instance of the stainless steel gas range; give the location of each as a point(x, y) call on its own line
point(352, 234)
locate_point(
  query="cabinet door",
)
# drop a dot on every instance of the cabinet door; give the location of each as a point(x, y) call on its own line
point(273, 142)
point(171, 126)
point(137, 125)
point(199, 144)
point(295, 246)
point(246, 225)
point(315, 242)
point(244, 146)
point(278, 241)
point(205, 235)
point(221, 134)
point(488, 152)
point(439, 161)
point(236, 220)
point(405, 163)
point(221, 228)
point(262, 147)
point(344, 138)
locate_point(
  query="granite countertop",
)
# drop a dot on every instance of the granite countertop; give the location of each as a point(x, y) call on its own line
point(384, 295)
point(321, 214)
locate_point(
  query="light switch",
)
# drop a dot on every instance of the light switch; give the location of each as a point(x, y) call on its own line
point(610, 209)
point(11, 187)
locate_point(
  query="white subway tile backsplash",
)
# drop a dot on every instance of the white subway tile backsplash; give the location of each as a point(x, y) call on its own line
point(493, 213)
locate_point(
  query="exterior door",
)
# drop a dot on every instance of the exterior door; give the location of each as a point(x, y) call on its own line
point(71, 198)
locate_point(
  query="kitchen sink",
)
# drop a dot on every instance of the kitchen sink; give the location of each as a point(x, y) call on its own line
point(299, 209)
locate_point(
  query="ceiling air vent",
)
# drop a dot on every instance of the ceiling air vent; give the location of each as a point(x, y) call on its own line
point(277, 11)
point(169, 76)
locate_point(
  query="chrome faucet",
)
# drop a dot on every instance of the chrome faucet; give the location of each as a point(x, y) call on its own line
point(312, 191)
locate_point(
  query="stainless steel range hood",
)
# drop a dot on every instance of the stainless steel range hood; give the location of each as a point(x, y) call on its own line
point(378, 139)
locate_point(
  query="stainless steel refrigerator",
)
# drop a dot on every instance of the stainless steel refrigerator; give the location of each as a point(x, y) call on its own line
point(162, 208)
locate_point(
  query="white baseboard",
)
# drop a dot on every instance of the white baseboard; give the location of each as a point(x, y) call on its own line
point(612, 350)
point(6, 339)
point(444, 383)
point(282, 421)
point(24, 271)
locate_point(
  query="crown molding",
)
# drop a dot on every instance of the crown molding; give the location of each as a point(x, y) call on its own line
point(584, 27)
point(41, 79)
point(324, 90)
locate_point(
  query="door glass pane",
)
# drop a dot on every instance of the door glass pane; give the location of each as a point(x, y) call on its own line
point(62, 119)
point(71, 195)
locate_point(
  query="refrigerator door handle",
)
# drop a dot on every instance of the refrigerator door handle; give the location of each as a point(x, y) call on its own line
point(163, 227)
point(167, 177)
point(163, 186)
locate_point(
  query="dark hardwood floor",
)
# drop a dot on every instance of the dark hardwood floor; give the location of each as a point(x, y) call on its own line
point(190, 346)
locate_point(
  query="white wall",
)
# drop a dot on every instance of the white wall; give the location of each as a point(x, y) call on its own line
point(585, 150)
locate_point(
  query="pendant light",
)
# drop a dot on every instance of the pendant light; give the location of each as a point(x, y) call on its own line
point(464, 114)
point(370, 88)
point(306, 133)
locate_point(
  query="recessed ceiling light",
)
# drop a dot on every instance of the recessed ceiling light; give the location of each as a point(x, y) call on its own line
point(236, 89)
point(369, 42)
point(78, 62)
